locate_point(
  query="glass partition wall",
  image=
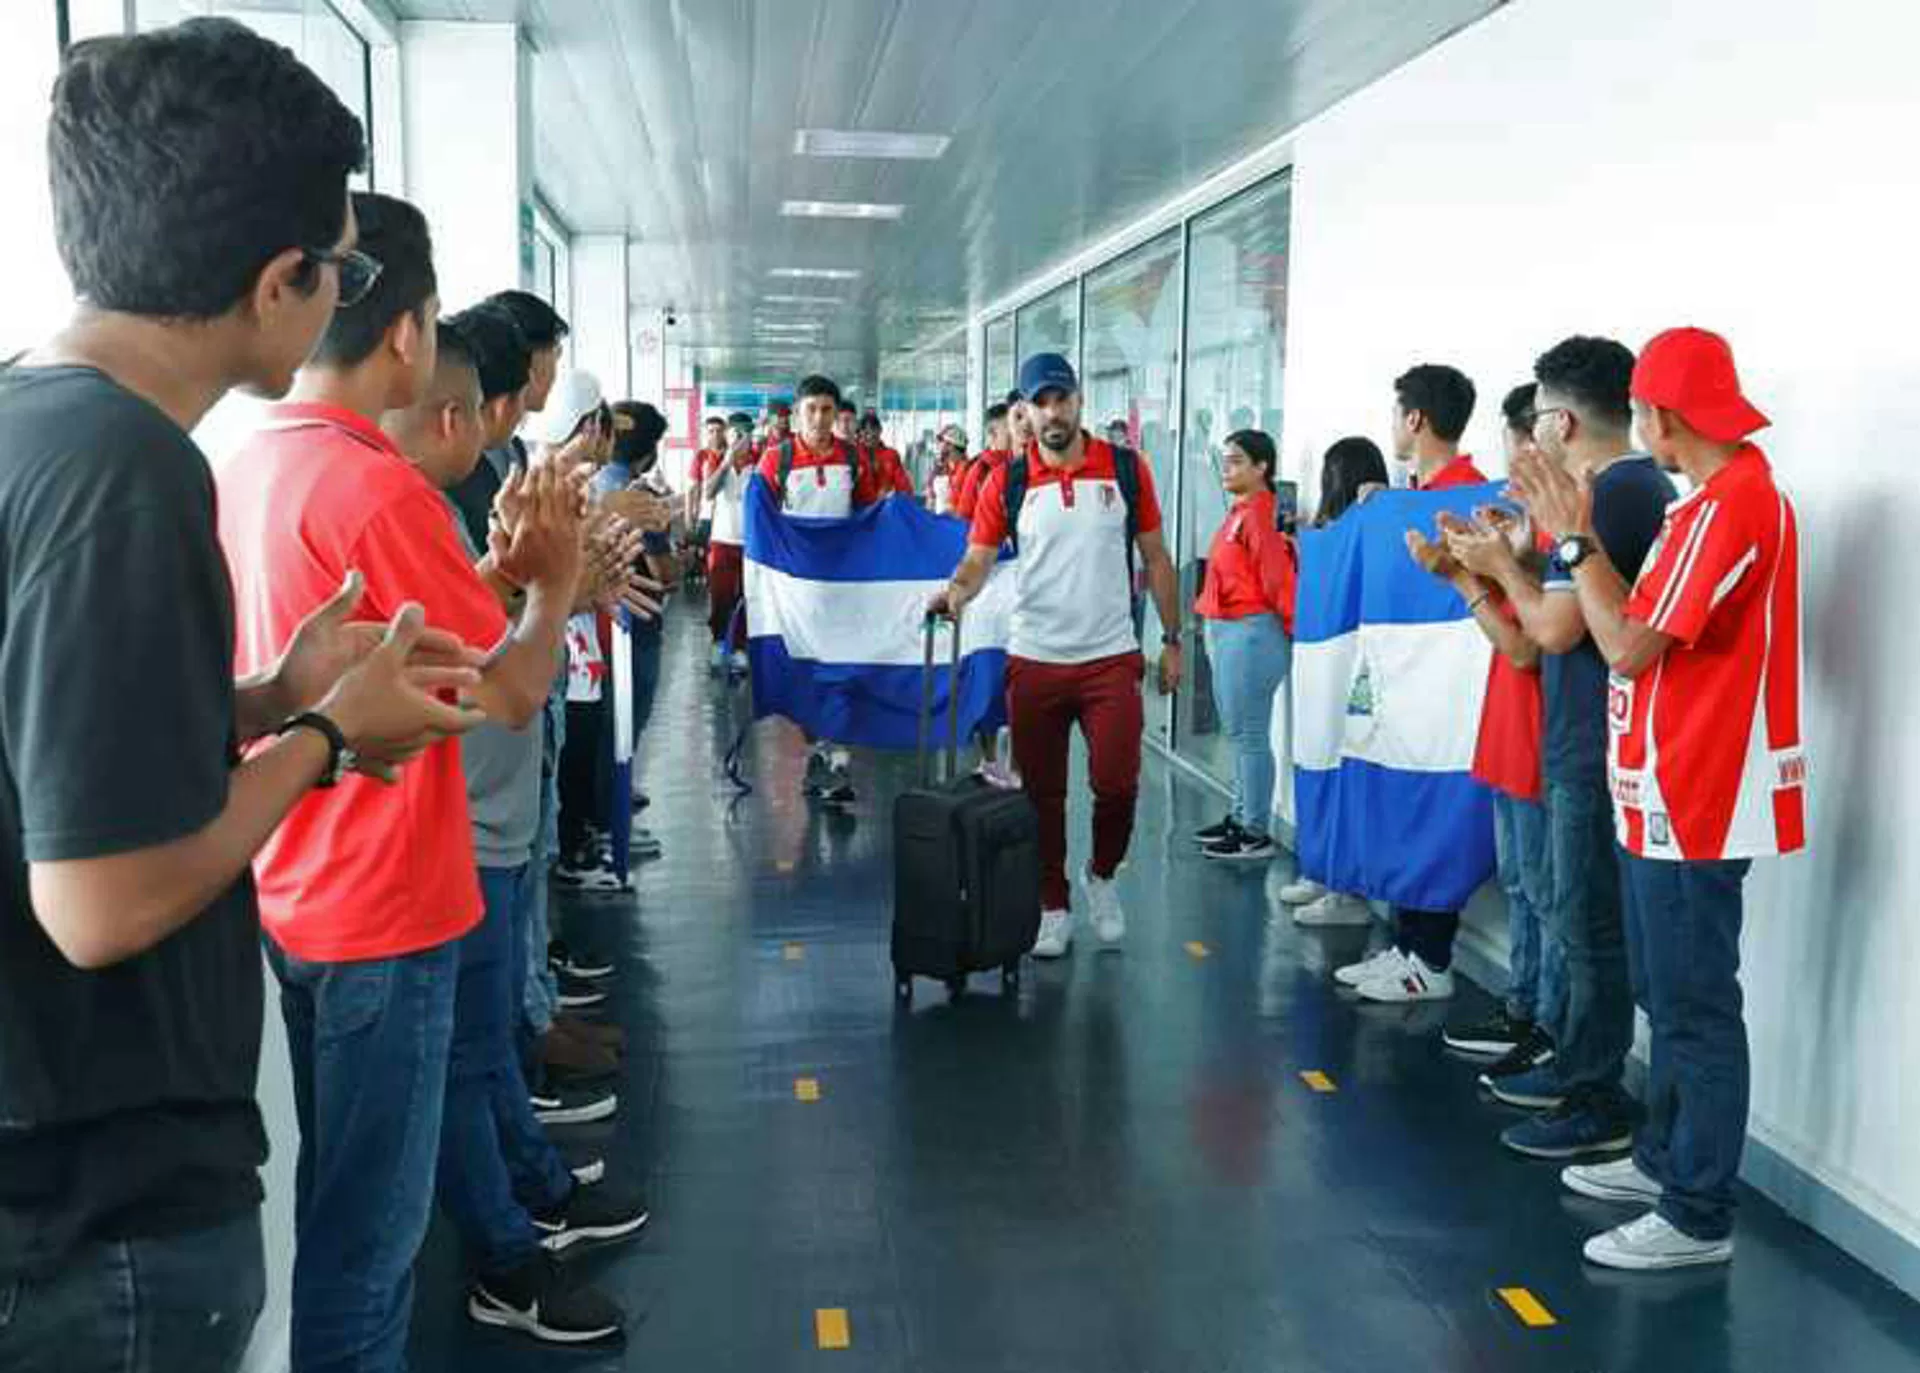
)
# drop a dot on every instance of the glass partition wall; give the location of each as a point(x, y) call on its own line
point(1181, 339)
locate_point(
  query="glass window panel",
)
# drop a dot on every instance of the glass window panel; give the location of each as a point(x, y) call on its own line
point(38, 296)
point(1050, 324)
point(1002, 367)
point(1235, 361)
point(1130, 377)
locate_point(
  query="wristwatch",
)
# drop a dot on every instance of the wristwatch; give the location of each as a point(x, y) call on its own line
point(341, 759)
point(1171, 640)
point(1574, 549)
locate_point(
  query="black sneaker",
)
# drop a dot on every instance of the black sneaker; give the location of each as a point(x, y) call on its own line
point(1535, 1051)
point(590, 1214)
point(560, 1106)
point(577, 965)
point(537, 1299)
point(839, 788)
point(1494, 1037)
point(582, 997)
point(819, 774)
point(1213, 834)
point(1240, 847)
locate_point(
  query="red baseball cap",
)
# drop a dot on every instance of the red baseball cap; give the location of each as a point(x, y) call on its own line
point(1690, 371)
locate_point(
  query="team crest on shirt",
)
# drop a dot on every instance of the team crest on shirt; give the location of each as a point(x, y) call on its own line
point(1619, 704)
point(1659, 831)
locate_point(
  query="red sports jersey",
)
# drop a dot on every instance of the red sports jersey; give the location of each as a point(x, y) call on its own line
point(975, 477)
point(1506, 755)
point(829, 485)
point(1459, 472)
point(1252, 568)
point(1707, 760)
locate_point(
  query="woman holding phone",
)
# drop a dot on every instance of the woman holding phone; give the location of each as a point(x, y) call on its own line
point(1246, 605)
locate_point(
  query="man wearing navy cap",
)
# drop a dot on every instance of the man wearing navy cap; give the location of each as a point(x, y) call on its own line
point(1076, 508)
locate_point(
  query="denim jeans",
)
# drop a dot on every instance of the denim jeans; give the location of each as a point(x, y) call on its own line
point(1536, 972)
point(495, 1161)
point(369, 1044)
point(541, 989)
point(1595, 1028)
point(1250, 660)
point(1686, 942)
point(182, 1303)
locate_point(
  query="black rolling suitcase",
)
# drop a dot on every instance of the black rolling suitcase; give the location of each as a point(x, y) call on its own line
point(966, 864)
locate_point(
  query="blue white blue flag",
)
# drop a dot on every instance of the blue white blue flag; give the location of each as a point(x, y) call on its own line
point(1389, 674)
point(836, 614)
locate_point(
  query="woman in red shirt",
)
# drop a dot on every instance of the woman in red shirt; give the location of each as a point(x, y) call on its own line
point(1247, 606)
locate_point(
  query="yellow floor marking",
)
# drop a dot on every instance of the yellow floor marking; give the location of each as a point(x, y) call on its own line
point(1197, 949)
point(831, 1330)
point(1527, 1307)
point(1319, 1081)
point(793, 953)
point(806, 1089)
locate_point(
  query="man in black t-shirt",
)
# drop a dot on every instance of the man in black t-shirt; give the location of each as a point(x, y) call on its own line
point(130, 970)
point(1583, 420)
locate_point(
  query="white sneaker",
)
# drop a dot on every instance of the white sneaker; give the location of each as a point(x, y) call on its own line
point(1620, 1181)
point(1056, 934)
point(1334, 908)
point(1302, 890)
point(1103, 906)
point(1651, 1243)
point(1387, 960)
point(1414, 981)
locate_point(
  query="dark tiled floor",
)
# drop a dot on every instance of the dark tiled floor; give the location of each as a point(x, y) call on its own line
point(1118, 1169)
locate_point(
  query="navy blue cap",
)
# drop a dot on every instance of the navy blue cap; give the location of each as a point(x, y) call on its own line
point(1047, 372)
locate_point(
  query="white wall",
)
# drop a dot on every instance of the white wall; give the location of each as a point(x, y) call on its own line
point(1739, 164)
point(465, 100)
point(599, 314)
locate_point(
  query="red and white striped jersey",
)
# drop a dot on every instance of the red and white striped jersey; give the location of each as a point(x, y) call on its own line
point(1707, 760)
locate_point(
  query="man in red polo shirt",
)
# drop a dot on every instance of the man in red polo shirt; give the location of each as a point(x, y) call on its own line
point(1708, 771)
point(890, 475)
point(949, 470)
point(1074, 657)
point(1008, 432)
point(1431, 406)
point(822, 477)
point(368, 893)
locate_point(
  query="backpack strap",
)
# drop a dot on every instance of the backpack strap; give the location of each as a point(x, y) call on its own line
point(1016, 496)
point(1126, 475)
point(786, 470)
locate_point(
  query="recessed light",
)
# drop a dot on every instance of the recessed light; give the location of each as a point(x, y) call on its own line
point(804, 300)
point(815, 273)
point(839, 209)
point(923, 147)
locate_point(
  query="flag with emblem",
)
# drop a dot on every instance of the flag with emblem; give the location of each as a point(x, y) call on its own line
point(1389, 672)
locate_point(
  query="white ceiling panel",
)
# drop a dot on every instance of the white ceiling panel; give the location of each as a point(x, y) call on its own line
point(673, 121)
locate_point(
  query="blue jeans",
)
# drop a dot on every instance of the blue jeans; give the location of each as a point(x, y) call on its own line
point(540, 988)
point(1250, 660)
point(369, 1044)
point(1595, 1028)
point(495, 1162)
point(182, 1303)
point(1536, 970)
point(1686, 943)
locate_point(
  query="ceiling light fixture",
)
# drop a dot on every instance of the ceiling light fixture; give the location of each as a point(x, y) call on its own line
point(839, 209)
point(815, 273)
point(804, 300)
point(919, 147)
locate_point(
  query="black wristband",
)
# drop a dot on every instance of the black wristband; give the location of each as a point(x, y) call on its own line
point(1172, 640)
point(337, 752)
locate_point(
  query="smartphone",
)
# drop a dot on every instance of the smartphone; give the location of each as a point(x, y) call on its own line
point(1286, 505)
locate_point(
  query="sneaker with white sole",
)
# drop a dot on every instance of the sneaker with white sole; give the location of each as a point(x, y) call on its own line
point(1620, 1181)
point(1333, 909)
point(1240, 847)
point(1536, 1090)
point(1386, 960)
point(1653, 1244)
point(1413, 981)
point(1586, 1124)
point(538, 1299)
point(1107, 915)
point(1495, 1036)
point(1302, 890)
point(590, 1173)
point(1213, 834)
point(1535, 1051)
point(552, 1106)
point(590, 1215)
point(1056, 934)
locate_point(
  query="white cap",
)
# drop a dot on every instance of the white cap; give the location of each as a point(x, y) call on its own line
point(575, 395)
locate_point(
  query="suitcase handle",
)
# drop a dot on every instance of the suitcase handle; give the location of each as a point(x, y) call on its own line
point(924, 750)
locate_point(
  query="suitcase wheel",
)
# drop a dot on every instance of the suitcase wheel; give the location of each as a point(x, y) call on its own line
point(1010, 976)
point(956, 984)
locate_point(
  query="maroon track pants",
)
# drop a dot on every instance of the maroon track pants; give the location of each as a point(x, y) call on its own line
point(726, 583)
point(1044, 702)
